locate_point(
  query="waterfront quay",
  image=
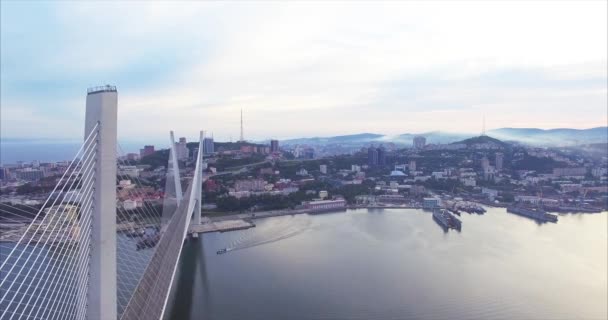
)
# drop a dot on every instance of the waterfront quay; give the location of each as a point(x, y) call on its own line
point(245, 220)
point(221, 226)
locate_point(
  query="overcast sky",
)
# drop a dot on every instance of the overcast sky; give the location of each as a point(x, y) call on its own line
point(303, 68)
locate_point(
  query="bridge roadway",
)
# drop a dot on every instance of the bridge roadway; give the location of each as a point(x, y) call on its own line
point(149, 298)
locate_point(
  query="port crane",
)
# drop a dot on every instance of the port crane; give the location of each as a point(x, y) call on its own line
point(540, 198)
point(581, 201)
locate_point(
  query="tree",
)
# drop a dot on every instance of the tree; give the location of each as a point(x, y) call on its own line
point(30, 188)
point(157, 159)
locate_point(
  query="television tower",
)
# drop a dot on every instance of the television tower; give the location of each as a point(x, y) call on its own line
point(483, 126)
point(242, 135)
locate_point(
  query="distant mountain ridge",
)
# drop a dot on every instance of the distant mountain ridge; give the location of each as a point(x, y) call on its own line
point(532, 136)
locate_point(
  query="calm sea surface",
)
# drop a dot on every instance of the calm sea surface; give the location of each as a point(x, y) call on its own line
point(398, 264)
point(11, 152)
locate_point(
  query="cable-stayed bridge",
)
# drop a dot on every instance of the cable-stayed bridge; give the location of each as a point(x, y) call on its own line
point(80, 256)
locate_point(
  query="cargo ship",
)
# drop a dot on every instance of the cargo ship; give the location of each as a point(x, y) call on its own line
point(446, 219)
point(535, 214)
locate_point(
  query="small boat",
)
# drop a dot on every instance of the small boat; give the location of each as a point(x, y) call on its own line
point(222, 251)
point(148, 242)
point(455, 211)
point(135, 233)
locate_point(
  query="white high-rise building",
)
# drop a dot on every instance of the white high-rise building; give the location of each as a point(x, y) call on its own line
point(485, 163)
point(323, 168)
point(412, 166)
point(208, 147)
point(499, 161)
point(181, 149)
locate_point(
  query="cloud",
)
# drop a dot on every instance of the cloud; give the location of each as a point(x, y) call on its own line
point(306, 69)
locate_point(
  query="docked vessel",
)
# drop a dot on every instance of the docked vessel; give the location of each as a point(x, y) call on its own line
point(469, 207)
point(535, 214)
point(574, 209)
point(454, 211)
point(446, 219)
point(474, 208)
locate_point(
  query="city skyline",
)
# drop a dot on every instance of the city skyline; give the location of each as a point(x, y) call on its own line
point(390, 68)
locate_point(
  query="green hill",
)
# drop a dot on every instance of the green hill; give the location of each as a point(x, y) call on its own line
point(483, 140)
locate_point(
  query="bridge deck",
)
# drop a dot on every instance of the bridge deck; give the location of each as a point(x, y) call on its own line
point(150, 296)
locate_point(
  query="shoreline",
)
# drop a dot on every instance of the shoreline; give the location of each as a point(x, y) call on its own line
point(285, 212)
point(240, 221)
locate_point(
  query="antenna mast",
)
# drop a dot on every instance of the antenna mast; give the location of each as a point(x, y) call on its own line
point(242, 136)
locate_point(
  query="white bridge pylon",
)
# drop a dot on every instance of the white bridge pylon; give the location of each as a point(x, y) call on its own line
point(150, 297)
point(194, 205)
point(174, 163)
point(195, 200)
point(78, 256)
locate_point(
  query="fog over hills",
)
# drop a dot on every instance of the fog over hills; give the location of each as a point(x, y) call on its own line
point(531, 136)
point(562, 136)
point(13, 150)
point(353, 138)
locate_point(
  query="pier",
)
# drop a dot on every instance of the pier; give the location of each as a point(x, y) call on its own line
point(221, 226)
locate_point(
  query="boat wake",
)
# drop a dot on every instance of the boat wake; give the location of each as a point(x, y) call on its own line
point(270, 231)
